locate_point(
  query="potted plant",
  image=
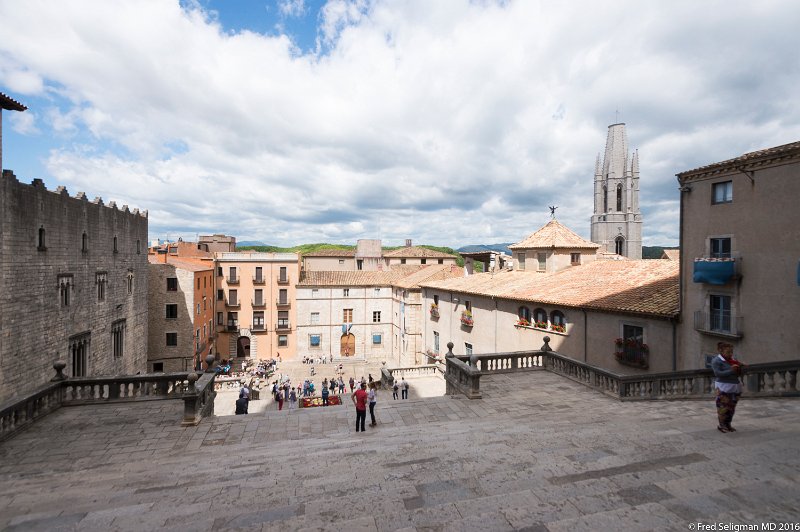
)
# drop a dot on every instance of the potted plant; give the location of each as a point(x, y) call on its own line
point(559, 327)
point(466, 318)
point(540, 324)
point(434, 310)
point(522, 322)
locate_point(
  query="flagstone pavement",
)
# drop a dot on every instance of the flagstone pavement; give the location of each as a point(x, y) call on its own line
point(538, 452)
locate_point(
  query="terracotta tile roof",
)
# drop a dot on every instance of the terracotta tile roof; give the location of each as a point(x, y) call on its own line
point(554, 235)
point(647, 287)
point(414, 252)
point(10, 104)
point(184, 263)
point(435, 272)
point(331, 253)
point(748, 160)
point(403, 276)
point(672, 254)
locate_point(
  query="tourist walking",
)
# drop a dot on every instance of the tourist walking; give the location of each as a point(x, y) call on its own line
point(333, 386)
point(372, 396)
point(359, 398)
point(341, 385)
point(404, 386)
point(352, 384)
point(292, 399)
point(395, 389)
point(726, 371)
point(279, 399)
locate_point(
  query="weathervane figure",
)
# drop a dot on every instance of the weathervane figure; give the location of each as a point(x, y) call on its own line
point(552, 211)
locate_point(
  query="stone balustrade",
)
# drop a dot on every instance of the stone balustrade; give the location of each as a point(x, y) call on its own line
point(776, 379)
point(197, 392)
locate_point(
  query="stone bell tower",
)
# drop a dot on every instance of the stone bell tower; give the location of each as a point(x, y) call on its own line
point(617, 220)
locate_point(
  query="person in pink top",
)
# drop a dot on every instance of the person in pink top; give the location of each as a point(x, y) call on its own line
point(360, 400)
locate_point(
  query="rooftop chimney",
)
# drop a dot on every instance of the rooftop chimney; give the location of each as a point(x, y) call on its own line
point(408, 242)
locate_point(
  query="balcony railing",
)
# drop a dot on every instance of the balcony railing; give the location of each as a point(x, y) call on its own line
point(632, 353)
point(232, 303)
point(283, 303)
point(232, 280)
point(283, 280)
point(258, 303)
point(258, 327)
point(259, 280)
point(719, 324)
point(233, 327)
point(283, 325)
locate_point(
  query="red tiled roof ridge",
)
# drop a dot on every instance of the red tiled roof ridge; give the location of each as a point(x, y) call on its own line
point(554, 234)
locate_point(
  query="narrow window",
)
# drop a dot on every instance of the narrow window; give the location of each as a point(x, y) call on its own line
point(41, 246)
point(376, 316)
point(130, 283)
point(232, 274)
point(101, 280)
point(524, 315)
point(219, 271)
point(220, 318)
point(259, 297)
point(118, 338)
point(540, 318)
point(558, 322)
point(84, 242)
point(138, 247)
point(259, 274)
point(435, 342)
point(315, 318)
point(619, 198)
point(233, 297)
point(605, 198)
point(282, 275)
point(347, 315)
point(233, 321)
point(283, 296)
point(283, 319)
point(79, 354)
point(468, 305)
point(171, 312)
point(346, 292)
point(65, 289)
point(521, 260)
point(360, 264)
point(172, 339)
point(575, 259)
point(220, 294)
point(542, 258)
point(258, 320)
point(116, 249)
point(720, 313)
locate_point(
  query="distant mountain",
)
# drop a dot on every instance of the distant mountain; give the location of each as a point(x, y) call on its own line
point(249, 243)
point(477, 248)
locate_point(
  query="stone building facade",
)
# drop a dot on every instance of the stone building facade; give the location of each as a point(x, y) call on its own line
point(255, 305)
point(617, 220)
point(181, 327)
point(740, 257)
point(73, 286)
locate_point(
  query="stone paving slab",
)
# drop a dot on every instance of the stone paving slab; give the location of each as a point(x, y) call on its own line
point(539, 452)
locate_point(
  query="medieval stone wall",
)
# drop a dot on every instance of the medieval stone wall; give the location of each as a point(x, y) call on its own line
point(55, 247)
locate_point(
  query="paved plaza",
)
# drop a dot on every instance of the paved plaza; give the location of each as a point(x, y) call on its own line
point(538, 452)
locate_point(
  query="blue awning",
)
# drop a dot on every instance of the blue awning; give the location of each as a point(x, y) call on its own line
point(717, 272)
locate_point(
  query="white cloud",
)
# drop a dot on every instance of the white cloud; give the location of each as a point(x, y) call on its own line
point(444, 121)
point(292, 8)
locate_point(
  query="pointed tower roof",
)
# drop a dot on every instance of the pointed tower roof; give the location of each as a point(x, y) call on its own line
point(616, 156)
point(554, 235)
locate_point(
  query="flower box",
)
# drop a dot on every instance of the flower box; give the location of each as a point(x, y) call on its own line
point(434, 311)
point(560, 328)
point(309, 402)
point(540, 324)
point(522, 322)
point(632, 353)
point(466, 318)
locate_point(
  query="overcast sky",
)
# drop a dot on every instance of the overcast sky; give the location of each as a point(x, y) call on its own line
point(451, 122)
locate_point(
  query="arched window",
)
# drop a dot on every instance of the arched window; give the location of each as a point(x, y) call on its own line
point(619, 198)
point(524, 314)
point(619, 246)
point(84, 242)
point(540, 318)
point(41, 239)
point(605, 198)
